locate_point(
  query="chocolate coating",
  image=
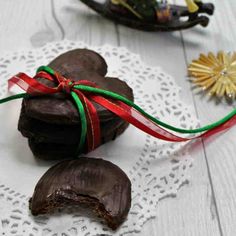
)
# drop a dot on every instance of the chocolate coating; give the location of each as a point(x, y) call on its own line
point(56, 151)
point(62, 134)
point(79, 59)
point(94, 183)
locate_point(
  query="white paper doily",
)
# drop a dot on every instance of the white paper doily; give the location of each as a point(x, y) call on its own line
point(157, 169)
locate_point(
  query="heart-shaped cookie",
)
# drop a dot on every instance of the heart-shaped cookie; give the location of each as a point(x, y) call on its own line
point(52, 123)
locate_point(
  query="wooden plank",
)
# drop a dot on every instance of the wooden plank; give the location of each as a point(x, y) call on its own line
point(221, 152)
point(81, 23)
point(27, 24)
point(192, 212)
point(34, 24)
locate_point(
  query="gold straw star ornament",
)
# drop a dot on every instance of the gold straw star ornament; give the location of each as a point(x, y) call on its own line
point(215, 73)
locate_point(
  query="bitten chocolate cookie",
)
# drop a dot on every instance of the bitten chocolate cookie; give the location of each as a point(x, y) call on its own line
point(93, 183)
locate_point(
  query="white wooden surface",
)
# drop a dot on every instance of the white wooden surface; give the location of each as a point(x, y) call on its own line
point(207, 205)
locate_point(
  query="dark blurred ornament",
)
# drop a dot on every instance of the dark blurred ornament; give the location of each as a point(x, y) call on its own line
point(152, 15)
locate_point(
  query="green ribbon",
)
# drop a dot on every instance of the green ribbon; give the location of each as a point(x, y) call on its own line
point(163, 124)
point(83, 121)
point(75, 97)
point(80, 109)
point(118, 97)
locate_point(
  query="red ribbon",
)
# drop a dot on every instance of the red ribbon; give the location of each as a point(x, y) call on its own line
point(138, 120)
point(127, 113)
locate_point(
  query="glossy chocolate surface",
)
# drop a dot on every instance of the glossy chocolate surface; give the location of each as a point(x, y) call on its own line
point(79, 59)
point(94, 183)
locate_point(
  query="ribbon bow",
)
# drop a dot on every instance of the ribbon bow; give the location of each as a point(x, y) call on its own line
point(90, 126)
point(85, 92)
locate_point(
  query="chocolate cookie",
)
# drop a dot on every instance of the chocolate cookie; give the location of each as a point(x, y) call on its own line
point(52, 122)
point(93, 183)
point(56, 150)
point(43, 132)
point(79, 59)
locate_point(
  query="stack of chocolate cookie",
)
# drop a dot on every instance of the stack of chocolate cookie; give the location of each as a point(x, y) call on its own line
point(52, 123)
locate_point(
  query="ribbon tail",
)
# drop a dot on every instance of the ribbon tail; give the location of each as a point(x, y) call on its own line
point(83, 121)
point(137, 119)
point(115, 96)
point(133, 117)
point(30, 85)
point(14, 97)
point(93, 123)
point(223, 127)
